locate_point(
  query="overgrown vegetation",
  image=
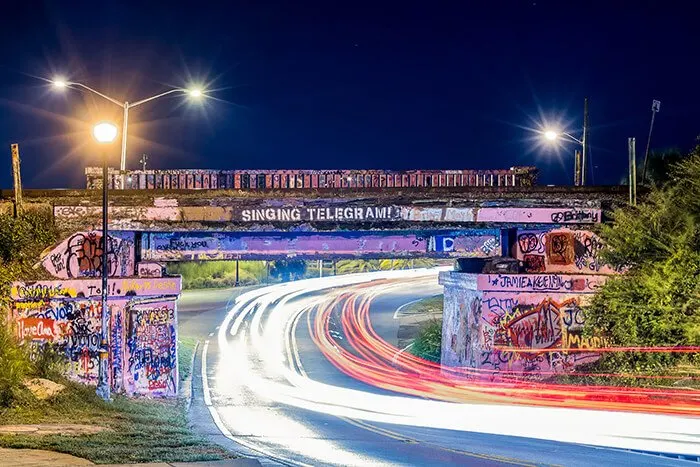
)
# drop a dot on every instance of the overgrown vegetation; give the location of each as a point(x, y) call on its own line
point(428, 342)
point(656, 303)
point(22, 239)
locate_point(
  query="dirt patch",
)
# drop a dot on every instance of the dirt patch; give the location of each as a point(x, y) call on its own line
point(51, 429)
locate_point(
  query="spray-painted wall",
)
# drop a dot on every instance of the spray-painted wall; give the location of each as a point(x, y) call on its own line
point(80, 255)
point(561, 250)
point(143, 329)
point(182, 246)
point(491, 319)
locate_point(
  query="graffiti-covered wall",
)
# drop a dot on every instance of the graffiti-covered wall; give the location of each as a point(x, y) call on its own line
point(80, 255)
point(182, 246)
point(521, 324)
point(561, 250)
point(143, 329)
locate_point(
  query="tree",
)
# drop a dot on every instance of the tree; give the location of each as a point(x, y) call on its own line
point(288, 270)
point(657, 301)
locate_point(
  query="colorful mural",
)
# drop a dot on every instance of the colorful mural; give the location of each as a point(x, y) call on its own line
point(520, 324)
point(142, 315)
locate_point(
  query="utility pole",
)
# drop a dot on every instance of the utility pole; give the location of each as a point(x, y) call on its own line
point(584, 141)
point(655, 107)
point(632, 179)
point(577, 168)
point(17, 179)
point(143, 161)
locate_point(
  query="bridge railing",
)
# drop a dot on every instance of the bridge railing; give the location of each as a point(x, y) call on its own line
point(196, 179)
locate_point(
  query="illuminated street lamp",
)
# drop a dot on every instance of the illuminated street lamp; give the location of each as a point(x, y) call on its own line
point(104, 133)
point(61, 83)
point(553, 135)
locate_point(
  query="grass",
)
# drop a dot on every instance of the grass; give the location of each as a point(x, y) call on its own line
point(432, 305)
point(428, 342)
point(138, 430)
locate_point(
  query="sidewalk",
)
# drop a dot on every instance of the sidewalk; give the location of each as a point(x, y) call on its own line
point(38, 458)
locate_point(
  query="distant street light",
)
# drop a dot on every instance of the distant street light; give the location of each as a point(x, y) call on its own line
point(104, 133)
point(61, 83)
point(553, 135)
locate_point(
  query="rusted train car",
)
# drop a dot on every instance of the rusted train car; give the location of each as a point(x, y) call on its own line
point(202, 179)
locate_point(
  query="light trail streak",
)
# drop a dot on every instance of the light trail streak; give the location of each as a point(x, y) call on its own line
point(376, 362)
point(261, 356)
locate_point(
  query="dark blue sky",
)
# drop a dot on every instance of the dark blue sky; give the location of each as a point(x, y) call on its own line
point(332, 84)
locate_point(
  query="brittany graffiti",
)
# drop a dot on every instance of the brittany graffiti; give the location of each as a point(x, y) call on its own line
point(80, 255)
point(68, 315)
point(561, 250)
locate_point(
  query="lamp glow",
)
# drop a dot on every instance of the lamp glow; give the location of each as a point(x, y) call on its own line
point(196, 93)
point(59, 83)
point(104, 132)
point(551, 135)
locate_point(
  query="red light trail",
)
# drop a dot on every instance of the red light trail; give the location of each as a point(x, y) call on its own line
point(365, 356)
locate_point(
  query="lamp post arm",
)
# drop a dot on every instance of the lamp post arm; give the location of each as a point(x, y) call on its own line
point(573, 138)
point(148, 99)
point(120, 104)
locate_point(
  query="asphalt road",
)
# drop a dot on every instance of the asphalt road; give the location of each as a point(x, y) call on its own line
point(266, 386)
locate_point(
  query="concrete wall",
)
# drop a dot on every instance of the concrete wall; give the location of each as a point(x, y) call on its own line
point(143, 324)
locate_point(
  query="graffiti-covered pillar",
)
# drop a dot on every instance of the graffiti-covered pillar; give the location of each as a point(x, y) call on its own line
point(143, 329)
point(461, 315)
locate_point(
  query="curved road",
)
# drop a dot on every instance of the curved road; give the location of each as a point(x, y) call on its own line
point(269, 388)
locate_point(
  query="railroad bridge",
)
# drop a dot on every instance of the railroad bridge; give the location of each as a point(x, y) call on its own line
point(161, 225)
point(175, 217)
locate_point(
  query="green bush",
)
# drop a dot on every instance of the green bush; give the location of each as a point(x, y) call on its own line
point(15, 365)
point(656, 303)
point(428, 343)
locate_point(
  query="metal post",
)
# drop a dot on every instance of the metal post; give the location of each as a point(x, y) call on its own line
point(655, 107)
point(122, 162)
point(236, 284)
point(17, 179)
point(320, 268)
point(103, 387)
point(632, 177)
point(335, 268)
point(584, 140)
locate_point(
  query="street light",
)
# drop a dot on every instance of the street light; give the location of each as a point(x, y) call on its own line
point(61, 83)
point(104, 133)
point(553, 135)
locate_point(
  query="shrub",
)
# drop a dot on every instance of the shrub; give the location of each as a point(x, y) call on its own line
point(428, 343)
point(15, 365)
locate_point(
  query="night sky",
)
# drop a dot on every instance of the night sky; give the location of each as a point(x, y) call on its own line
point(383, 84)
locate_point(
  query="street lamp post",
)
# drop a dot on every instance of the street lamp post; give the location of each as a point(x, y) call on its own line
point(60, 83)
point(105, 133)
point(552, 135)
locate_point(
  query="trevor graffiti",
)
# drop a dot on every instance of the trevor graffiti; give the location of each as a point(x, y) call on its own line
point(81, 255)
